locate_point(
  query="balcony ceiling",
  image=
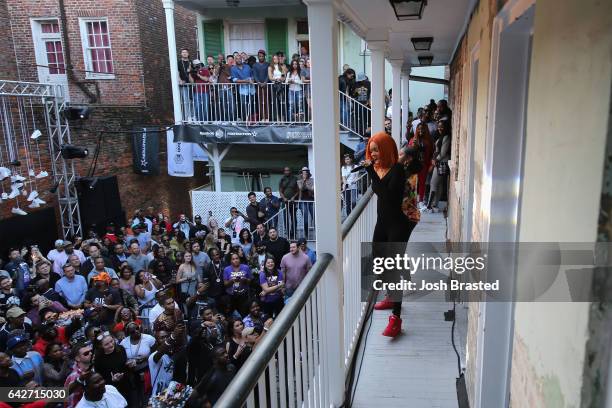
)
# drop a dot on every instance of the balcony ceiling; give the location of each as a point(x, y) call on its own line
point(442, 19)
point(224, 4)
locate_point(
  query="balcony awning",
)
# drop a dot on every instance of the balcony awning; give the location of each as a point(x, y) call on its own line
point(269, 134)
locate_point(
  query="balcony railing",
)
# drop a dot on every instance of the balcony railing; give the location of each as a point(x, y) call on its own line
point(263, 104)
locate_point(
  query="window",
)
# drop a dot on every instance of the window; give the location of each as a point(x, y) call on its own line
point(95, 37)
point(48, 52)
point(302, 27)
point(247, 36)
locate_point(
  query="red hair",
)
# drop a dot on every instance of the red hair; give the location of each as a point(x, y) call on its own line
point(387, 150)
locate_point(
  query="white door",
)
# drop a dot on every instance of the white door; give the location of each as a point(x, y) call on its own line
point(49, 53)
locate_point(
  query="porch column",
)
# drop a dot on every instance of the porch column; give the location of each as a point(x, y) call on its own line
point(377, 97)
point(323, 31)
point(396, 113)
point(172, 59)
point(405, 97)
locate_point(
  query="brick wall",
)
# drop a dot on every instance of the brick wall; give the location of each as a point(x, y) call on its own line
point(8, 68)
point(140, 93)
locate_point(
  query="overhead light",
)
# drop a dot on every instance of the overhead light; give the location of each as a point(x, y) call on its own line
point(76, 112)
point(408, 9)
point(425, 59)
point(232, 3)
point(422, 43)
point(74, 152)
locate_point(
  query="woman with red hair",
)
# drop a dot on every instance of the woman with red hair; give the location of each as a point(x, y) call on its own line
point(423, 142)
point(393, 227)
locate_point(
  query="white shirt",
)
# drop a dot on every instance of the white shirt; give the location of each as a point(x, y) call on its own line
point(351, 178)
point(236, 227)
point(62, 258)
point(53, 254)
point(297, 82)
point(161, 373)
point(110, 399)
point(142, 349)
point(156, 311)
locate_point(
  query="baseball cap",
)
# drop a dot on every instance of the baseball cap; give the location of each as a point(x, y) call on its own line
point(197, 217)
point(305, 169)
point(66, 243)
point(301, 241)
point(14, 340)
point(261, 52)
point(59, 242)
point(196, 62)
point(248, 331)
point(14, 312)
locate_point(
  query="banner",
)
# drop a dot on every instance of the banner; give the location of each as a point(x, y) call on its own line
point(180, 157)
point(199, 154)
point(243, 134)
point(145, 152)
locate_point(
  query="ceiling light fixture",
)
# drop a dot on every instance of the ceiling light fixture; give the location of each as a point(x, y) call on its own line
point(426, 59)
point(422, 43)
point(408, 9)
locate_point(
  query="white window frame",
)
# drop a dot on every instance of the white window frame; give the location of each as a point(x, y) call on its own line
point(85, 45)
point(226, 31)
point(39, 37)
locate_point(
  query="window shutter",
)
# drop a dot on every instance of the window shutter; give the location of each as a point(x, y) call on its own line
point(276, 36)
point(213, 37)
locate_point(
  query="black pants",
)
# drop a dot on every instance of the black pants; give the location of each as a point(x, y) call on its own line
point(390, 239)
point(272, 309)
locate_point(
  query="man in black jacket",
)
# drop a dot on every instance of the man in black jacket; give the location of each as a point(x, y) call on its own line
point(276, 246)
point(254, 213)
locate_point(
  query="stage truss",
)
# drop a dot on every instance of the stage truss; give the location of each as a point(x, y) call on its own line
point(31, 117)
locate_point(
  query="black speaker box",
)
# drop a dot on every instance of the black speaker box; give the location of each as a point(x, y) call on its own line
point(99, 202)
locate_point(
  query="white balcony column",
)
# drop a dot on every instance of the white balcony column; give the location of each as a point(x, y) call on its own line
point(173, 58)
point(405, 97)
point(396, 107)
point(378, 49)
point(323, 31)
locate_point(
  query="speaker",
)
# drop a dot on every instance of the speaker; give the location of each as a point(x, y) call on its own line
point(99, 202)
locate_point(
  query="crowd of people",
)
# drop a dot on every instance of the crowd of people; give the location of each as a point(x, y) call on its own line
point(266, 89)
point(115, 317)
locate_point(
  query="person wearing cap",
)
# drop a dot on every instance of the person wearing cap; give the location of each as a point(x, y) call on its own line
point(197, 227)
point(59, 248)
point(243, 74)
point(306, 197)
point(28, 364)
point(201, 77)
point(260, 75)
point(361, 93)
point(312, 255)
point(15, 320)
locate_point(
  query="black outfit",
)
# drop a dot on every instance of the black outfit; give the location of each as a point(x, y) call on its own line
point(232, 348)
point(106, 364)
point(183, 68)
point(53, 278)
point(214, 273)
point(219, 380)
point(195, 228)
point(392, 228)
point(116, 261)
point(277, 248)
point(88, 265)
point(253, 217)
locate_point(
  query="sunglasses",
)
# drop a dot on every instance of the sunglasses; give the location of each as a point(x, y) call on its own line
point(102, 335)
point(86, 353)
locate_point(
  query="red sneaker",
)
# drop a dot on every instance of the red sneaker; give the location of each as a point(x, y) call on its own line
point(394, 327)
point(384, 304)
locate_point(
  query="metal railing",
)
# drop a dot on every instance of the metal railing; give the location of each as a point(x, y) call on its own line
point(286, 368)
point(263, 104)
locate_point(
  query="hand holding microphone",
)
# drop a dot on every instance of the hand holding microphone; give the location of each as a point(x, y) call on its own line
point(362, 165)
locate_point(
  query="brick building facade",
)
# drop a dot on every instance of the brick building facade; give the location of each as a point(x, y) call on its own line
point(137, 93)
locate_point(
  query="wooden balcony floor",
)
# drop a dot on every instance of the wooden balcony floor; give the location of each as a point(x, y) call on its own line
point(418, 368)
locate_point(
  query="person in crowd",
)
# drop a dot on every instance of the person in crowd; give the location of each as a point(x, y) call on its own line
point(110, 361)
point(225, 102)
point(183, 224)
point(261, 234)
point(62, 257)
point(127, 281)
point(312, 255)
point(201, 78)
point(272, 286)
point(288, 190)
point(349, 184)
point(82, 354)
point(56, 251)
point(137, 260)
point(306, 191)
point(258, 258)
point(8, 376)
point(161, 364)
point(123, 317)
point(237, 348)
point(242, 74)
point(276, 245)
point(296, 94)
point(392, 225)
point(361, 93)
point(187, 276)
point(223, 373)
point(94, 252)
point(294, 266)
point(423, 142)
point(97, 393)
point(197, 303)
point(235, 223)
point(161, 266)
point(256, 319)
point(215, 275)
point(18, 269)
point(56, 365)
point(246, 242)
point(346, 85)
point(28, 364)
point(118, 257)
point(198, 230)
point(237, 278)
point(39, 305)
point(270, 204)
point(138, 347)
point(213, 226)
point(255, 214)
point(260, 75)
point(224, 243)
point(200, 259)
point(185, 68)
point(277, 74)
point(104, 300)
point(8, 295)
point(441, 156)
point(100, 268)
point(305, 72)
point(178, 242)
point(171, 321)
point(145, 288)
point(15, 321)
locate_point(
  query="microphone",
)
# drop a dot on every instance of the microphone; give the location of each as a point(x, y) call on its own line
point(360, 167)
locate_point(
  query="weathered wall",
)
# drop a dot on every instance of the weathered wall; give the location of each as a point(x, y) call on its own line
point(8, 67)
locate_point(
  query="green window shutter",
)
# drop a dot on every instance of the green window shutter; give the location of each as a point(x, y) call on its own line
point(213, 37)
point(276, 35)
